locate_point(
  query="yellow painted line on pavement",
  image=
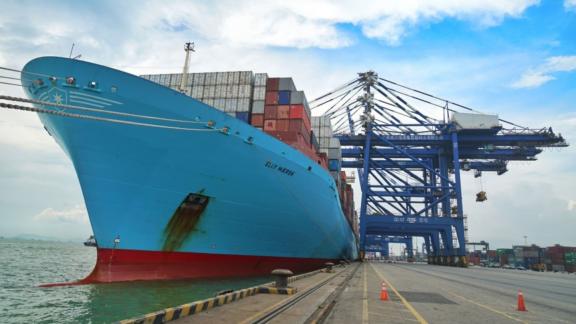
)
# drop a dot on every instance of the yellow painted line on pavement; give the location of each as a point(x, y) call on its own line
point(488, 308)
point(365, 297)
point(412, 310)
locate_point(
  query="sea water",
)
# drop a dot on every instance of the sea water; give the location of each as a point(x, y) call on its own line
point(26, 264)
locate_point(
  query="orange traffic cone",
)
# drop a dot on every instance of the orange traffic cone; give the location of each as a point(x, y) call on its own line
point(521, 306)
point(383, 292)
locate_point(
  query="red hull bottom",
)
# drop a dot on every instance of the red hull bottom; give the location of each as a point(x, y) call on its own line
point(129, 265)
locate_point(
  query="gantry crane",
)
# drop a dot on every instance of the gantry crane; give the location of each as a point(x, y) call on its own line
point(409, 148)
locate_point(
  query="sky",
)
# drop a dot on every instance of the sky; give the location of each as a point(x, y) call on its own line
point(514, 58)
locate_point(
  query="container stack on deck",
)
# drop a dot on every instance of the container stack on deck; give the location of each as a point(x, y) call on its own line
point(227, 91)
point(286, 115)
point(275, 106)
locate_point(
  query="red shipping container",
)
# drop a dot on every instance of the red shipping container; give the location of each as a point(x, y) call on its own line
point(272, 84)
point(297, 112)
point(282, 125)
point(296, 140)
point(272, 98)
point(270, 125)
point(258, 120)
point(297, 125)
point(270, 112)
point(284, 112)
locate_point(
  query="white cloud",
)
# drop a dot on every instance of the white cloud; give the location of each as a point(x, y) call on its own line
point(296, 23)
point(538, 76)
point(570, 4)
point(75, 214)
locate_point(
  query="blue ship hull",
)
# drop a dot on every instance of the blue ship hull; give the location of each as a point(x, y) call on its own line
point(267, 205)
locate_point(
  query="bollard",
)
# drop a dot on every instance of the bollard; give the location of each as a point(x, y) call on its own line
point(329, 266)
point(281, 277)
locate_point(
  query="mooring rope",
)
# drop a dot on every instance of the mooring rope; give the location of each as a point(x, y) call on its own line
point(117, 121)
point(111, 112)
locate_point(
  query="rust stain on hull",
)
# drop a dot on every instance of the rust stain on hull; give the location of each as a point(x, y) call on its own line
point(183, 221)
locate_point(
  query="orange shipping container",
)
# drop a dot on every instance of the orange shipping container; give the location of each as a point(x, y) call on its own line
point(284, 112)
point(258, 120)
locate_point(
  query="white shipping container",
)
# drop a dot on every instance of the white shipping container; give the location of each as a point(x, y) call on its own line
point(177, 79)
point(220, 78)
point(169, 79)
point(244, 91)
point(198, 91)
point(245, 77)
point(324, 142)
point(236, 77)
point(230, 91)
point(211, 92)
point(334, 142)
point(220, 104)
point(231, 104)
point(199, 78)
point(334, 153)
point(220, 91)
point(243, 105)
point(474, 121)
point(286, 84)
point(258, 107)
point(210, 78)
point(260, 79)
point(259, 93)
point(235, 90)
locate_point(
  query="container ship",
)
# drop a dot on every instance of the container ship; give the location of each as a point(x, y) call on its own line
point(197, 175)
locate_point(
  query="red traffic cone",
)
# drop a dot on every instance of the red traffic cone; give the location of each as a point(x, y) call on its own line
point(521, 305)
point(383, 292)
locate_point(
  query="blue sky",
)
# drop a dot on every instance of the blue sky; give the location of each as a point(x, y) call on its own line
point(514, 58)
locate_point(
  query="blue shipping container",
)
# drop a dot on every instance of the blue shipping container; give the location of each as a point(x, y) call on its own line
point(334, 165)
point(243, 116)
point(283, 97)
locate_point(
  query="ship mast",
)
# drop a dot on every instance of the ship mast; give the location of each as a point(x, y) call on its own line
point(188, 47)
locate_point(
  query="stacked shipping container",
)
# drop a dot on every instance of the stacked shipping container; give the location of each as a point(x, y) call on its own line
point(275, 106)
point(286, 115)
point(327, 143)
point(230, 92)
point(560, 258)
